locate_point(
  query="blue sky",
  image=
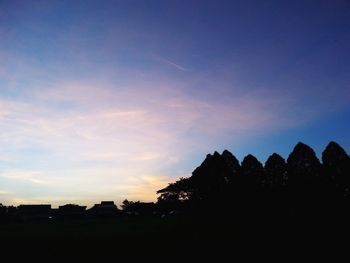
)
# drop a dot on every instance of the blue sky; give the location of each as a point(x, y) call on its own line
point(115, 99)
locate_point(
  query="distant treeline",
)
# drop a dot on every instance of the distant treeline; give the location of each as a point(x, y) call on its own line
point(299, 187)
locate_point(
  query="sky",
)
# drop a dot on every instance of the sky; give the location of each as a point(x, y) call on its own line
point(108, 100)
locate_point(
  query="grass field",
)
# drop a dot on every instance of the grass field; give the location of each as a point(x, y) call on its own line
point(94, 237)
point(97, 240)
point(135, 229)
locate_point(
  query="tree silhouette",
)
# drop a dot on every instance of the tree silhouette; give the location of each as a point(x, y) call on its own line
point(302, 185)
point(252, 173)
point(176, 195)
point(336, 164)
point(307, 184)
point(210, 183)
point(275, 172)
point(304, 168)
point(274, 185)
point(138, 208)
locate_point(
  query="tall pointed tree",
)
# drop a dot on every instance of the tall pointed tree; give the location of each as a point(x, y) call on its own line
point(275, 172)
point(336, 164)
point(251, 172)
point(305, 183)
point(303, 166)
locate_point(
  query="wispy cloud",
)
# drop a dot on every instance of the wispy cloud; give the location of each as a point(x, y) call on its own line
point(5, 192)
point(96, 137)
point(105, 134)
point(171, 63)
point(32, 177)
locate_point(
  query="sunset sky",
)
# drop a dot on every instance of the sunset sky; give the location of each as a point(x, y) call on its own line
point(107, 100)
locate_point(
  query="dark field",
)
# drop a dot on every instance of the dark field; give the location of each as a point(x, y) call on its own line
point(104, 237)
point(98, 240)
point(113, 229)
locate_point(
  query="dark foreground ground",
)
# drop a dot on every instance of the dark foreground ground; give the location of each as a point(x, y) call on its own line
point(136, 231)
point(154, 237)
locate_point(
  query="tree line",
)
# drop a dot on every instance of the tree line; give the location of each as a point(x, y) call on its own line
point(300, 186)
